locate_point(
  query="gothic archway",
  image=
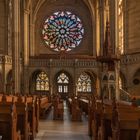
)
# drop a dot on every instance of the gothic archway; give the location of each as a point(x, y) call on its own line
point(86, 83)
point(63, 84)
point(39, 83)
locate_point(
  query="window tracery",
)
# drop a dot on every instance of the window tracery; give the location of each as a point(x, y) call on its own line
point(84, 83)
point(63, 81)
point(42, 82)
point(63, 31)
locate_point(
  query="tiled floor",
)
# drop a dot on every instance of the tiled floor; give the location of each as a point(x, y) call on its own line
point(62, 130)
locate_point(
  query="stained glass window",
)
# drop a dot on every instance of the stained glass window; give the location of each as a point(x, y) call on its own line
point(63, 81)
point(63, 31)
point(84, 83)
point(63, 78)
point(42, 82)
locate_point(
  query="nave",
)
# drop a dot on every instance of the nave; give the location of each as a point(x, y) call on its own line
point(50, 129)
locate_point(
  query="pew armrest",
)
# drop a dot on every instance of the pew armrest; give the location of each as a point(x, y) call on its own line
point(18, 135)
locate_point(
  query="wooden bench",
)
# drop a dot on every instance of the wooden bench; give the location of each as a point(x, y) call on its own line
point(75, 108)
point(44, 106)
point(8, 120)
point(36, 106)
point(115, 121)
point(32, 116)
point(83, 104)
point(129, 123)
point(69, 103)
point(22, 118)
point(58, 109)
point(27, 109)
point(76, 114)
point(32, 112)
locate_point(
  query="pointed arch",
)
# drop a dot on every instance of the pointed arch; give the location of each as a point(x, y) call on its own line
point(122, 81)
point(86, 82)
point(88, 3)
point(39, 82)
point(42, 82)
point(80, 8)
point(63, 84)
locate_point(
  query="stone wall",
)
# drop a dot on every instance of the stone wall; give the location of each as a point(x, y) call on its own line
point(76, 7)
point(132, 26)
point(3, 27)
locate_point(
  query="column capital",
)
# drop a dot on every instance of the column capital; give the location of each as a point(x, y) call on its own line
point(26, 11)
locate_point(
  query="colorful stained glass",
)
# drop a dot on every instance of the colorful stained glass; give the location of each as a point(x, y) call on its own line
point(63, 81)
point(84, 83)
point(63, 78)
point(63, 31)
point(42, 82)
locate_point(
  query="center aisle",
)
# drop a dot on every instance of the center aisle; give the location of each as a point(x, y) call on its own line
point(50, 129)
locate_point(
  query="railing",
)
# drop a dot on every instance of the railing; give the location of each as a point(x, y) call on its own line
point(124, 95)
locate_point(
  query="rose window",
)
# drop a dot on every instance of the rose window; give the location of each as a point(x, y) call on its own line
point(63, 31)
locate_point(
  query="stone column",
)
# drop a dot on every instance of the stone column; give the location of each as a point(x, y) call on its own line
point(97, 29)
point(16, 47)
point(32, 39)
point(116, 45)
point(101, 12)
point(75, 92)
point(32, 32)
point(26, 51)
point(116, 27)
point(51, 82)
point(26, 37)
point(117, 73)
point(101, 7)
point(114, 24)
point(98, 85)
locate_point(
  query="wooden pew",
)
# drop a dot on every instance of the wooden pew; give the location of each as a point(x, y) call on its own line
point(91, 116)
point(116, 121)
point(76, 114)
point(128, 122)
point(8, 120)
point(69, 104)
point(44, 106)
point(32, 116)
point(74, 108)
point(58, 108)
point(22, 118)
point(83, 104)
point(28, 112)
point(36, 112)
point(32, 112)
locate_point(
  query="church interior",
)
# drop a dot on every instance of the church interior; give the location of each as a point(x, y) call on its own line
point(70, 70)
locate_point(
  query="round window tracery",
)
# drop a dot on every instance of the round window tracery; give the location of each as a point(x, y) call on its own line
point(63, 31)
